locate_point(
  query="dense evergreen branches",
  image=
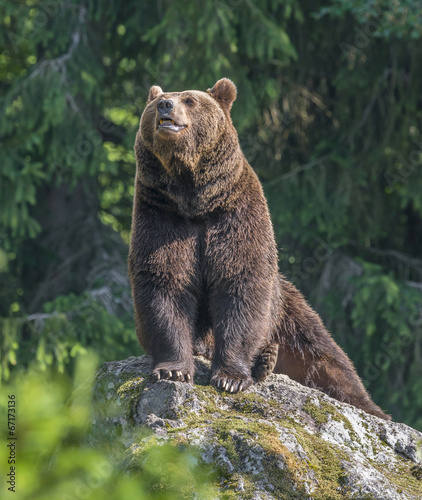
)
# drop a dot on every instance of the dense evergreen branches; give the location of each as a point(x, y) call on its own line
point(329, 115)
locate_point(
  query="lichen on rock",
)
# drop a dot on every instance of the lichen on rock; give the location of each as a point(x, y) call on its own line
point(277, 440)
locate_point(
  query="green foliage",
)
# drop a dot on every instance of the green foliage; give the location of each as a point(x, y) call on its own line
point(67, 327)
point(391, 330)
point(385, 19)
point(328, 113)
point(54, 459)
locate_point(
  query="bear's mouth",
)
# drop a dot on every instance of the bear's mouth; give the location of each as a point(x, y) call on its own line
point(169, 124)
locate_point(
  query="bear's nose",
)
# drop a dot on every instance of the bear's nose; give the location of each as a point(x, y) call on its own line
point(164, 106)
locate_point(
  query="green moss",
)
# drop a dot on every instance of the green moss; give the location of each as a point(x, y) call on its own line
point(326, 462)
point(124, 382)
point(318, 413)
point(231, 487)
point(233, 434)
point(323, 459)
point(326, 411)
point(254, 405)
point(403, 477)
point(416, 472)
point(234, 426)
point(130, 391)
point(131, 387)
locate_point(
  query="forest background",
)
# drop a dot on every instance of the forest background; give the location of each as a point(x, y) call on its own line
point(329, 115)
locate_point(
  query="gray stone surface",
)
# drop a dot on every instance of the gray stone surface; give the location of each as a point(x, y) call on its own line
point(277, 440)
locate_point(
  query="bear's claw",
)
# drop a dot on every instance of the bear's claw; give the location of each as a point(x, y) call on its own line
point(231, 385)
point(169, 373)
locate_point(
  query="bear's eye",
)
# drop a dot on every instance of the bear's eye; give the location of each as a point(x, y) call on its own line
point(189, 101)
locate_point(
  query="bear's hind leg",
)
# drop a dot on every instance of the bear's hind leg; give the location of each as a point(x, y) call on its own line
point(336, 376)
point(265, 362)
point(309, 355)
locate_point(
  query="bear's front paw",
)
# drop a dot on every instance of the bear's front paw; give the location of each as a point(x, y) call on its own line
point(172, 371)
point(231, 383)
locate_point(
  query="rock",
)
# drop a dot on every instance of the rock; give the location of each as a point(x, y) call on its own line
point(277, 440)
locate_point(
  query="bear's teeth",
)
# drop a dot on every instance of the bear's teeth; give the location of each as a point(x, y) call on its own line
point(167, 120)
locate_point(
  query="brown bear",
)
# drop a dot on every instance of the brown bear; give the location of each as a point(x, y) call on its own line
point(203, 260)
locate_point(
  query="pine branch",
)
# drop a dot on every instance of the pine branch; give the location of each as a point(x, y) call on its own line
point(39, 319)
point(412, 262)
point(414, 284)
point(297, 170)
point(58, 64)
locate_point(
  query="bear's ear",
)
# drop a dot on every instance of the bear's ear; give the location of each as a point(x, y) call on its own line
point(154, 92)
point(224, 92)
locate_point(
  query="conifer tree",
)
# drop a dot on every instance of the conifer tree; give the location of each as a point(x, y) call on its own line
point(329, 115)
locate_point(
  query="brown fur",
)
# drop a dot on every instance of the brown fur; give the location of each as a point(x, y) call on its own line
point(203, 259)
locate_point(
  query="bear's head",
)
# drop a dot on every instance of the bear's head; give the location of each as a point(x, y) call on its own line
point(185, 126)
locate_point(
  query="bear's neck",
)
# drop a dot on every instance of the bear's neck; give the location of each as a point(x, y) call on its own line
point(198, 166)
point(192, 190)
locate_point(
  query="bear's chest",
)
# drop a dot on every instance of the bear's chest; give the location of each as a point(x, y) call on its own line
point(189, 201)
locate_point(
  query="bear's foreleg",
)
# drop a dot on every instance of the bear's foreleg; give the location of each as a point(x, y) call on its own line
point(241, 272)
point(164, 327)
point(163, 274)
point(240, 317)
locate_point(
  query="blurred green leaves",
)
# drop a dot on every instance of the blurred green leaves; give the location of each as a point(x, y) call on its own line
point(55, 461)
point(67, 327)
point(387, 19)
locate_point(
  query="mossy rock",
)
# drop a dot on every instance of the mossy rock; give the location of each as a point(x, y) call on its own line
point(279, 440)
